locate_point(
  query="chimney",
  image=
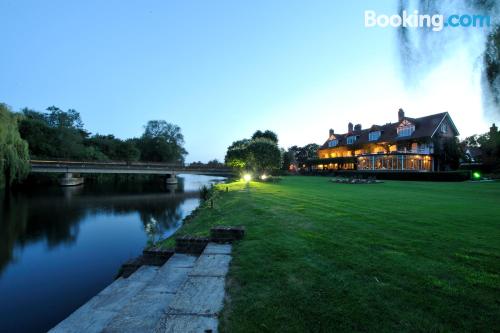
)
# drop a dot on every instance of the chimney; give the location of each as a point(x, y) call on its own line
point(349, 128)
point(357, 127)
point(493, 130)
point(331, 131)
point(401, 115)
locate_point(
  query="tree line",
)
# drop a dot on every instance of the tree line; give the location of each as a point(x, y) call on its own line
point(58, 134)
point(261, 154)
point(488, 149)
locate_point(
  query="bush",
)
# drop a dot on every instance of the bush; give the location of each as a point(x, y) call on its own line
point(205, 193)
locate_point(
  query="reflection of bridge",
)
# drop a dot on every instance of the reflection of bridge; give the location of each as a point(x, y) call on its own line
point(75, 167)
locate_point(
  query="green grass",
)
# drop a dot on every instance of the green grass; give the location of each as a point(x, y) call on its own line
point(397, 256)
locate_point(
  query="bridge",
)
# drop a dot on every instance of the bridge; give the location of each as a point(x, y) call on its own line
point(165, 169)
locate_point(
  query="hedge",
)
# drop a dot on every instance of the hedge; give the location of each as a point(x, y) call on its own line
point(445, 176)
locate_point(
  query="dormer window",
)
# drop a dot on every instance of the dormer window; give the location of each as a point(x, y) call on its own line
point(351, 139)
point(405, 128)
point(333, 143)
point(374, 136)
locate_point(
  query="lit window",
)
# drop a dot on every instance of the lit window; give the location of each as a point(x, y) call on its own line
point(333, 143)
point(351, 139)
point(373, 136)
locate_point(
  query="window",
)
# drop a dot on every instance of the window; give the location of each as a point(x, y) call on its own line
point(406, 128)
point(373, 136)
point(444, 128)
point(333, 143)
point(405, 131)
point(351, 139)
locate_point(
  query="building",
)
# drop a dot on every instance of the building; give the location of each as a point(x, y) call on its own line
point(410, 144)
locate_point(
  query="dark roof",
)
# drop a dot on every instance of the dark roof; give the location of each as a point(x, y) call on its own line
point(474, 152)
point(425, 127)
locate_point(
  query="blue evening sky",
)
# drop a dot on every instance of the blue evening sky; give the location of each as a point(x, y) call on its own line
point(221, 69)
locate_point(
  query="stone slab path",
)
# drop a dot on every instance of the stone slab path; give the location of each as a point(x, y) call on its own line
point(186, 294)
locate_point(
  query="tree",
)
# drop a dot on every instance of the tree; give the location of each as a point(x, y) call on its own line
point(471, 141)
point(270, 135)
point(490, 147)
point(215, 164)
point(68, 119)
point(259, 154)
point(492, 64)
point(162, 142)
point(302, 154)
point(127, 151)
point(114, 148)
point(285, 160)
point(448, 153)
point(263, 155)
point(161, 129)
point(14, 157)
point(237, 154)
point(58, 134)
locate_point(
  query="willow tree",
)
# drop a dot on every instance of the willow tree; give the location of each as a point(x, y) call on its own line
point(14, 164)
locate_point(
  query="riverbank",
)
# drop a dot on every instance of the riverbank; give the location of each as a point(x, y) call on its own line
point(72, 241)
point(396, 256)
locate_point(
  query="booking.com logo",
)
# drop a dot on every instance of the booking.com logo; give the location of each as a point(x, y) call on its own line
point(415, 20)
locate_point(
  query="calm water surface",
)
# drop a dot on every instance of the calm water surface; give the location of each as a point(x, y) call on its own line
point(61, 246)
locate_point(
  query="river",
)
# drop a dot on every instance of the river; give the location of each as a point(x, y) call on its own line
point(61, 246)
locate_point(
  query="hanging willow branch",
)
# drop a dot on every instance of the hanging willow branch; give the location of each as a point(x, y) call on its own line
point(14, 156)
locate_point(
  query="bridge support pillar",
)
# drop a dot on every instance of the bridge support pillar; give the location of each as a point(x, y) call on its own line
point(69, 180)
point(171, 179)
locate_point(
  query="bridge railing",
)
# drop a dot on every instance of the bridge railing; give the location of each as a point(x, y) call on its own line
point(124, 164)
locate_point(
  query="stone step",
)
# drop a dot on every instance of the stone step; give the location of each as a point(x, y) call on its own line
point(197, 304)
point(96, 314)
point(186, 294)
point(144, 311)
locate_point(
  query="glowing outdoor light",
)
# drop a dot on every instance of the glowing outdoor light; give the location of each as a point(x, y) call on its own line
point(247, 177)
point(476, 175)
point(263, 177)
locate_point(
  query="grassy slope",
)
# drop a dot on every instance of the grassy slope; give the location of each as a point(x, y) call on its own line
point(397, 256)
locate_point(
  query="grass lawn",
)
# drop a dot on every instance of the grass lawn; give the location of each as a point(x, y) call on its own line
point(397, 256)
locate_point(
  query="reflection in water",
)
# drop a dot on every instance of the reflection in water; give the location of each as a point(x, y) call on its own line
point(75, 238)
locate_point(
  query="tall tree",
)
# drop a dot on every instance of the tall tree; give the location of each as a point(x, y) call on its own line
point(264, 155)
point(60, 118)
point(302, 154)
point(448, 153)
point(490, 147)
point(162, 142)
point(285, 159)
point(57, 134)
point(270, 135)
point(237, 154)
point(14, 157)
point(259, 154)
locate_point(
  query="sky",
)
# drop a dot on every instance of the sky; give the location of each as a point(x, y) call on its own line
point(223, 69)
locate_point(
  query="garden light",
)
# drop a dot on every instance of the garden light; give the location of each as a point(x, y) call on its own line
point(263, 177)
point(476, 175)
point(247, 177)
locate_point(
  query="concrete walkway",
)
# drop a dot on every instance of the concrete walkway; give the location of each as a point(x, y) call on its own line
point(186, 294)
